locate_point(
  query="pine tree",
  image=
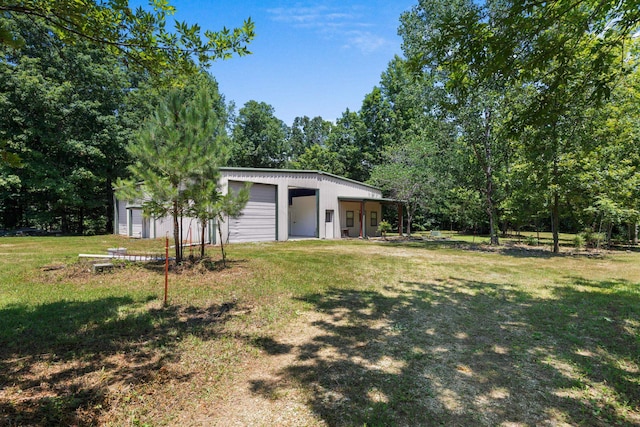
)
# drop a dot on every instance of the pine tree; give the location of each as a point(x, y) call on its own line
point(179, 149)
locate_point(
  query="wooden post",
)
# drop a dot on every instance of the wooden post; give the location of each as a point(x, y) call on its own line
point(361, 216)
point(166, 269)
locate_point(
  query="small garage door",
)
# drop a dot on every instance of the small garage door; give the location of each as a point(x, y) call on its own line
point(258, 220)
point(122, 218)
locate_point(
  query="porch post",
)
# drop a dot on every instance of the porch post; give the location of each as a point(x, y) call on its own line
point(364, 220)
point(361, 217)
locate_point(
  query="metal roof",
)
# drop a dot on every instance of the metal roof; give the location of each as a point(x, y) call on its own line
point(226, 168)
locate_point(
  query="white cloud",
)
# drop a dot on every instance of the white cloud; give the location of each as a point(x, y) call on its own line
point(317, 16)
point(345, 26)
point(365, 41)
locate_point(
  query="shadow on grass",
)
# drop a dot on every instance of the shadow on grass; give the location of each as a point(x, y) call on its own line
point(508, 249)
point(456, 352)
point(58, 360)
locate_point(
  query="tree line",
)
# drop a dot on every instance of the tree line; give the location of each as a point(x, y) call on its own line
point(540, 100)
point(499, 116)
point(74, 111)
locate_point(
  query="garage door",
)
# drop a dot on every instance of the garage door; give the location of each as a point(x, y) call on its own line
point(122, 218)
point(258, 220)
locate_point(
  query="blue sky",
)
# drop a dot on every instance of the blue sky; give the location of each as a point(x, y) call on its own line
point(309, 58)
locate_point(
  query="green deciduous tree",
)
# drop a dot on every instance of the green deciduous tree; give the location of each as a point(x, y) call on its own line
point(555, 111)
point(319, 158)
point(258, 137)
point(406, 175)
point(345, 140)
point(378, 119)
point(306, 133)
point(450, 42)
point(60, 123)
point(607, 182)
point(414, 164)
point(141, 35)
point(523, 75)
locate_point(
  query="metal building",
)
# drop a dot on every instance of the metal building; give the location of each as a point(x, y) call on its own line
point(283, 204)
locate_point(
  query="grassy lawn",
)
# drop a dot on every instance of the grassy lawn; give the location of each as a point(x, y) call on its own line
point(352, 332)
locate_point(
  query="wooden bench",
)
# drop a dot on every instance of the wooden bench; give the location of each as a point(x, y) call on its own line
point(101, 268)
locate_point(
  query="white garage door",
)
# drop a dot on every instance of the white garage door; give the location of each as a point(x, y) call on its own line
point(258, 220)
point(122, 218)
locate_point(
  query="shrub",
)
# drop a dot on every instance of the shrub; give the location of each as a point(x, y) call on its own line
point(418, 227)
point(384, 227)
point(591, 238)
point(531, 240)
point(578, 241)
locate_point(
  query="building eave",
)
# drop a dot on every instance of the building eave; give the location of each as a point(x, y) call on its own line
point(298, 171)
point(369, 199)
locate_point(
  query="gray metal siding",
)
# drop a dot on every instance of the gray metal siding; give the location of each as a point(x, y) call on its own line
point(258, 220)
point(122, 218)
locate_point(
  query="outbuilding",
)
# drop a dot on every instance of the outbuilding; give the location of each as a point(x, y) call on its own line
point(283, 204)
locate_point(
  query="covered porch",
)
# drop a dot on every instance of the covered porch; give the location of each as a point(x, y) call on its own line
point(359, 217)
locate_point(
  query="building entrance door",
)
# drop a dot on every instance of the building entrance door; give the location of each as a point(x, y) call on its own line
point(328, 225)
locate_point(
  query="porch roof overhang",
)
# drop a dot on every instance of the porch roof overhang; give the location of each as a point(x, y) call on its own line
point(370, 199)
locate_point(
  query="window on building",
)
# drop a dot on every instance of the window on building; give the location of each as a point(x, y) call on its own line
point(349, 218)
point(374, 219)
point(328, 216)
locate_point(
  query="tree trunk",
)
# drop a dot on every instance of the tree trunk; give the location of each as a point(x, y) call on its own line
point(181, 234)
point(202, 234)
point(176, 233)
point(493, 232)
point(110, 207)
point(488, 172)
point(224, 255)
point(555, 208)
point(599, 233)
point(491, 211)
point(64, 223)
point(555, 222)
point(81, 222)
point(11, 214)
